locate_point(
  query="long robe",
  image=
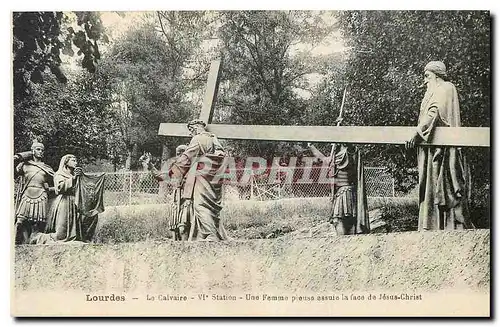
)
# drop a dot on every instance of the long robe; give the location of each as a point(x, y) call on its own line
point(444, 177)
point(65, 223)
point(179, 210)
point(199, 164)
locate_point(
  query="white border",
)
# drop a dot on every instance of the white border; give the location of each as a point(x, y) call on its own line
point(6, 108)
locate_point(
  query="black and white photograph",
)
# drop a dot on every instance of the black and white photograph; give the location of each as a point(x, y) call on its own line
point(251, 163)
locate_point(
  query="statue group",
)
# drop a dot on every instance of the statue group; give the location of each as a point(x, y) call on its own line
point(444, 176)
point(194, 214)
point(76, 199)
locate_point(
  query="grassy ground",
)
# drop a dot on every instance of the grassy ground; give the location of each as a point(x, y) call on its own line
point(245, 219)
point(242, 219)
point(133, 254)
point(410, 261)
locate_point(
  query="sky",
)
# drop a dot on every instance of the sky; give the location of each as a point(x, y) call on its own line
point(116, 24)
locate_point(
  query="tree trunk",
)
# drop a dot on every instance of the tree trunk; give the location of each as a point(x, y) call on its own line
point(134, 156)
point(128, 161)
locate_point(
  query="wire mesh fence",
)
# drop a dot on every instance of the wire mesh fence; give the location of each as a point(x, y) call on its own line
point(133, 188)
point(379, 182)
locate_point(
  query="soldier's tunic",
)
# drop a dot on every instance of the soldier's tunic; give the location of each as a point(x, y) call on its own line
point(33, 196)
point(31, 199)
point(349, 198)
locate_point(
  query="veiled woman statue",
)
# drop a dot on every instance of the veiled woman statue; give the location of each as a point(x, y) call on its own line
point(64, 223)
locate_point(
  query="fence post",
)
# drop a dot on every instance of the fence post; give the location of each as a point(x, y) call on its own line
point(130, 188)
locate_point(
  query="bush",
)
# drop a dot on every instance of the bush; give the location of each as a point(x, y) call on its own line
point(480, 207)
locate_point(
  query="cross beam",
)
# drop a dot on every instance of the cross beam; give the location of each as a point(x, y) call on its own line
point(443, 136)
point(448, 136)
point(207, 111)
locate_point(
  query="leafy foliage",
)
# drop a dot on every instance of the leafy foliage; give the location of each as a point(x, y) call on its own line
point(46, 103)
point(147, 71)
point(262, 75)
point(388, 50)
point(39, 40)
point(68, 118)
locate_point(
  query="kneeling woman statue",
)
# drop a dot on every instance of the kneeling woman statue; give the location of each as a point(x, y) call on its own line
point(64, 223)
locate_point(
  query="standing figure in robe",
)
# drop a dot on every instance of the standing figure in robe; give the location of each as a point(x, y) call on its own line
point(179, 215)
point(201, 193)
point(444, 176)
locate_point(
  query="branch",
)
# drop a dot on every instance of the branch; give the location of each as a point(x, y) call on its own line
point(170, 40)
point(199, 75)
point(161, 24)
point(289, 81)
point(304, 88)
point(258, 65)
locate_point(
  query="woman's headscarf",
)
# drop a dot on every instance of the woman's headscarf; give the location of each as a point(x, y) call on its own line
point(62, 164)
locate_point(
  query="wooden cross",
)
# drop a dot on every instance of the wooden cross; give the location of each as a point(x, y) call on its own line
point(447, 136)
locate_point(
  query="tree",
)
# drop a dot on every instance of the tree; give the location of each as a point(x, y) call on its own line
point(388, 50)
point(264, 69)
point(39, 41)
point(70, 118)
point(147, 67)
